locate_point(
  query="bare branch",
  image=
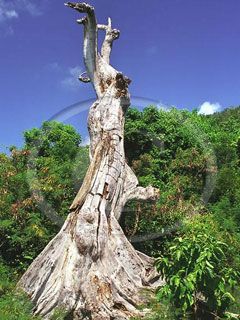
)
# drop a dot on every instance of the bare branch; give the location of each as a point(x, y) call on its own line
point(84, 78)
point(102, 27)
point(80, 7)
point(111, 35)
point(140, 193)
point(82, 20)
point(90, 41)
point(133, 191)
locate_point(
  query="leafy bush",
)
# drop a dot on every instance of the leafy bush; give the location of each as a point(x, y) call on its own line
point(42, 176)
point(197, 272)
point(177, 151)
point(16, 306)
point(6, 283)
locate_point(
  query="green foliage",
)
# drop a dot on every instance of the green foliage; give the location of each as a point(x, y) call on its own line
point(45, 173)
point(59, 314)
point(187, 155)
point(53, 138)
point(6, 279)
point(196, 269)
point(195, 162)
point(155, 310)
point(16, 306)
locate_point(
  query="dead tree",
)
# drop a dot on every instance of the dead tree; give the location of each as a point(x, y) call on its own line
point(90, 268)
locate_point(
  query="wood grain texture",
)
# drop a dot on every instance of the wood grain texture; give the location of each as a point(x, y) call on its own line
point(90, 268)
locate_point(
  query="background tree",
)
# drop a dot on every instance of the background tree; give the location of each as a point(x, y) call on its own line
point(178, 214)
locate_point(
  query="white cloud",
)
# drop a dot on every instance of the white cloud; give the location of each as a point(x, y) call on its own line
point(6, 12)
point(31, 7)
point(12, 9)
point(71, 80)
point(209, 108)
point(11, 14)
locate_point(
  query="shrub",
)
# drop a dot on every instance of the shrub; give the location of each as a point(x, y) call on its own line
point(16, 306)
point(196, 270)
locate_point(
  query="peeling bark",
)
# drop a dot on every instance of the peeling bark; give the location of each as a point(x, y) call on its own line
point(90, 268)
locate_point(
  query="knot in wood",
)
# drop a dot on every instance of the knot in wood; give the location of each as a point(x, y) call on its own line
point(121, 84)
point(115, 33)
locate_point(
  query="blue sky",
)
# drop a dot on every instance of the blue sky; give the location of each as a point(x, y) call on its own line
point(178, 52)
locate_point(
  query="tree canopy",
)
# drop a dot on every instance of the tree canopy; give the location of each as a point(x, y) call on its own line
point(195, 225)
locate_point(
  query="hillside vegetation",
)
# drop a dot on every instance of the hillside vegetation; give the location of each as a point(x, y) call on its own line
point(193, 230)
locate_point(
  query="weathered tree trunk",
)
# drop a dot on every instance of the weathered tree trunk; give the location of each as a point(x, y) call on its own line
point(90, 268)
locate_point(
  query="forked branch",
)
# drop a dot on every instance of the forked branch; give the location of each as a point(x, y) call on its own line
point(111, 35)
point(98, 68)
